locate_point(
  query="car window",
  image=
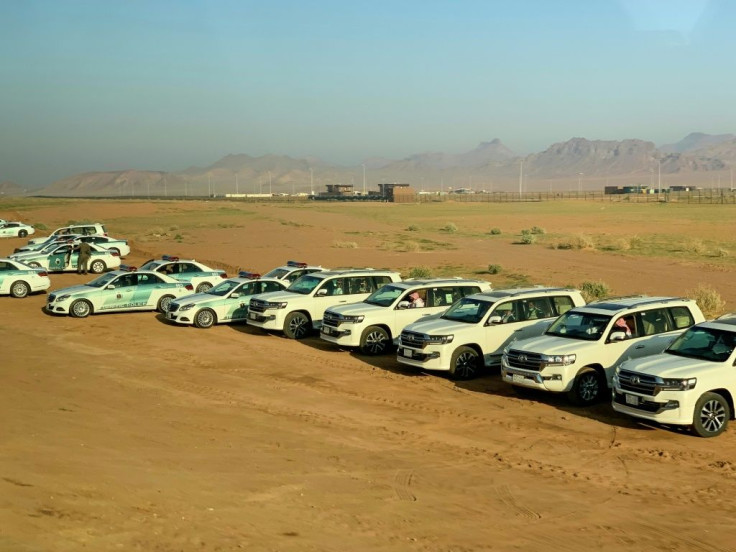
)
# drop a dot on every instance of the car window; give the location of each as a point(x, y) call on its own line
point(681, 317)
point(360, 284)
point(655, 321)
point(535, 308)
point(379, 281)
point(334, 286)
point(562, 303)
point(5, 266)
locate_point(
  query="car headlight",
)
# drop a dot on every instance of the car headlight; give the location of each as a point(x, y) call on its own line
point(355, 319)
point(558, 360)
point(62, 298)
point(276, 305)
point(187, 307)
point(439, 339)
point(674, 384)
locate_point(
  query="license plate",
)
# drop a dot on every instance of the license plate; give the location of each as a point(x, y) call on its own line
point(518, 378)
point(407, 353)
point(252, 316)
point(633, 400)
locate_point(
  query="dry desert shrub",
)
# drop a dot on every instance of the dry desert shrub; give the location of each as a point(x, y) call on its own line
point(344, 245)
point(581, 241)
point(708, 299)
point(400, 247)
point(592, 291)
point(527, 237)
point(495, 231)
point(412, 228)
point(538, 230)
point(494, 268)
point(720, 252)
point(450, 228)
point(621, 244)
point(420, 272)
point(694, 246)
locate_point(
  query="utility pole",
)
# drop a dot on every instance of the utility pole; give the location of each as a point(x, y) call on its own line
point(269, 183)
point(659, 176)
point(209, 185)
point(521, 176)
point(236, 184)
point(363, 164)
point(311, 180)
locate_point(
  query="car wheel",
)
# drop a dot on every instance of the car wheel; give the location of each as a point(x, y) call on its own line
point(204, 286)
point(163, 303)
point(205, 318)
point(80, 308)
point(587, 387)
point(297, 325)
point(465, 363)
point(22, 233)
point(711, 415)
point(34, 264)
point(374, 341)
point(19, 289)
point(97, 267)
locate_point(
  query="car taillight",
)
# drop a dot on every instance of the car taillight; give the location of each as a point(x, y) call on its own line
point(223, 275)
point(189, 287)
point(43, 273)
point(114, 253)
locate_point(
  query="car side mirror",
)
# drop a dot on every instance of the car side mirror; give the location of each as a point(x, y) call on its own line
point(403, 305)
point(111, 286)
point(235, 295)
point(617, 336)
point(495, 319)
point(321, 293)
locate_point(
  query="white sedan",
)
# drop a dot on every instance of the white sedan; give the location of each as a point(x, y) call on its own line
point(16, 230)
point(225, 303)
point(18, 280)
point(124, 290)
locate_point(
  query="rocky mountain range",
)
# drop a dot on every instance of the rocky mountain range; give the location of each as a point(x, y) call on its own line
point(697, 160)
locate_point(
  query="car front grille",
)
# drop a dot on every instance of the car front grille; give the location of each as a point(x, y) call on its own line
point(524, 360)
point(331, 319)
point(638, 383)
point(256, 305)
point(413, 339)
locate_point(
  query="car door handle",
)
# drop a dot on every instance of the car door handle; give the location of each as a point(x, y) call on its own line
point(639, 347)
point(518, 330)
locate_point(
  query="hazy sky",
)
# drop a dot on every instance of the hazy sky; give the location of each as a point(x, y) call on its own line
point(108, 85)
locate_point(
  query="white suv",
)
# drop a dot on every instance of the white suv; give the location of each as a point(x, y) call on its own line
point(84, 229)
point(375, 323)
point(298, 310)
point(474, 331)
point(692, 383)
point(580, 350)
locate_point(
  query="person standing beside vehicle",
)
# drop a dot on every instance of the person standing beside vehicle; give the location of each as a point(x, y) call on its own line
point(85, 252)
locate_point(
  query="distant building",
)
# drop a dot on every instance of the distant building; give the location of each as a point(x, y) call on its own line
point(400, 193)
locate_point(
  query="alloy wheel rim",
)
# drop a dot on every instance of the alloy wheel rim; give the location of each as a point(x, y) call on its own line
point(712, 416)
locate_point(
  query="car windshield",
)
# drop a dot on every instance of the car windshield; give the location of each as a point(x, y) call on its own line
point(384, 296)
point(103, 280)
point(276, 273)
point(579, 325)
point(704, 344)
point(305, 285)
point(223, 288)
point(468, 310)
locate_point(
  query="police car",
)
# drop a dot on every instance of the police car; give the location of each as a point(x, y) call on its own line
point(61, 257)
point(15, 230)
point(200, 276)
point(19, 280)
point(225, 303)
point(126, 290)
point(292, 271)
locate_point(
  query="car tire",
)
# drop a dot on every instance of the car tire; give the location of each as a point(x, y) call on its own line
point(163, 303)
point(81, 308)
point(204, 286)
point(205, 318)
point(711, 415)
point(97, 267)
point(19, 289)
point(587, 387)
point(297, 325)
point(465, 363)
point(22, 233)
point(374, 341)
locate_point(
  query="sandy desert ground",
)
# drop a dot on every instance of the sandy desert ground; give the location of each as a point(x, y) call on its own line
point(122, 432)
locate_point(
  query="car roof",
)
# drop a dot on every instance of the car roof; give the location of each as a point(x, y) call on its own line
point(411, 283)
point(618, 304)
point(351, 272)
point(727, 322)
point(493, 295)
